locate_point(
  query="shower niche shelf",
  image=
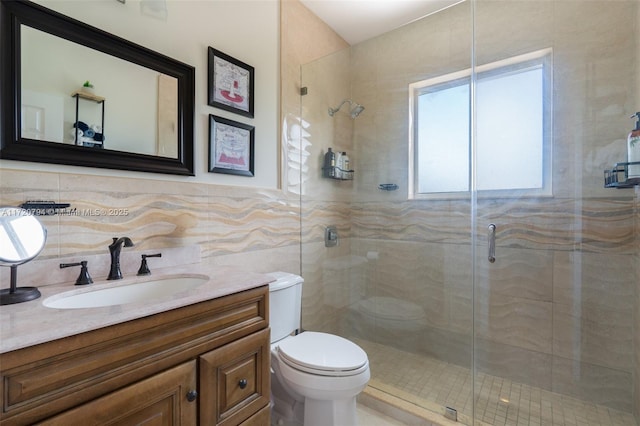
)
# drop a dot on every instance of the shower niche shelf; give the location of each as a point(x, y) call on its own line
point(618, 176)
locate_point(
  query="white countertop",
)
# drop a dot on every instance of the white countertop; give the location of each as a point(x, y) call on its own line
point(30, 323)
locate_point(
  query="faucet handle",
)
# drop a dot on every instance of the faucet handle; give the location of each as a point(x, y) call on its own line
point(144, 268)
point(84, 277)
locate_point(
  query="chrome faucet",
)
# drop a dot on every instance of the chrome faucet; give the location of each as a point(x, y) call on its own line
point(114, 249)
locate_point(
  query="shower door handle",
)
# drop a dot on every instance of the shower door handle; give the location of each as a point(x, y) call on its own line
point(492, 242)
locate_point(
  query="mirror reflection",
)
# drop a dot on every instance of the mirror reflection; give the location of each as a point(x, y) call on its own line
point(138, 117)
point(88, 98)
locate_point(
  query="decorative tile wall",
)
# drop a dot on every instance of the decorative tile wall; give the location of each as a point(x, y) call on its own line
point(257, 229)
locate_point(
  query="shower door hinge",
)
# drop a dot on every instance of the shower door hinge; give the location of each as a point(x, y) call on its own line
point(303, 91)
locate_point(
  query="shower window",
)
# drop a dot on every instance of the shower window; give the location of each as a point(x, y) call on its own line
point(513, 105)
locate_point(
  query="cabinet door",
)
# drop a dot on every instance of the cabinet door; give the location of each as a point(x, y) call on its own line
point(235, 380)
point(160, 400)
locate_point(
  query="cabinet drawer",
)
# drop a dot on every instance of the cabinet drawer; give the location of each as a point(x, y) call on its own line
point(235, 380)
point(158, 400)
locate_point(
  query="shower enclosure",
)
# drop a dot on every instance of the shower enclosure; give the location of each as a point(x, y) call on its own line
point(485, 133)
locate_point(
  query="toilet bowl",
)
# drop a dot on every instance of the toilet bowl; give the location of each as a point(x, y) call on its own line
point(315, 376)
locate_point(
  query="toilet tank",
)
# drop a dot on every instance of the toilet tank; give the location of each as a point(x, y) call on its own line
point(285, 304)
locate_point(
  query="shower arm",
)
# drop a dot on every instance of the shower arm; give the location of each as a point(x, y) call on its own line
point(336, 109)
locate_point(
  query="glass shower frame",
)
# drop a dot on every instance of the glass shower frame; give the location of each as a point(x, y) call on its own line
point(539, 320)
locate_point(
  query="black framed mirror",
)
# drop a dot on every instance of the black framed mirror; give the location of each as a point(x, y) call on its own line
point(169, 121)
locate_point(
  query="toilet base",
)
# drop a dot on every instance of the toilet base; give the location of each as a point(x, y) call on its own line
point(316, 413)
point(286, 412)
point(323, 413)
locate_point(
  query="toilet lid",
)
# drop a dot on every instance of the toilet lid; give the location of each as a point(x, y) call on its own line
point(322, 353)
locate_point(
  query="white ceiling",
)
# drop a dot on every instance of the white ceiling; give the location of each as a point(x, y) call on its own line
point(359, 20)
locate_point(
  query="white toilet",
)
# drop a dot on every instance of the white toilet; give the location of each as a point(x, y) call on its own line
point(315, 377)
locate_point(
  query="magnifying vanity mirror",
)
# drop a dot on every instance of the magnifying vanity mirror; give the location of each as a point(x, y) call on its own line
point(22, 238)
point(138, 114)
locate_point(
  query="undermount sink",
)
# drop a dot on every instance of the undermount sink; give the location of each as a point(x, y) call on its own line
point(123, 294)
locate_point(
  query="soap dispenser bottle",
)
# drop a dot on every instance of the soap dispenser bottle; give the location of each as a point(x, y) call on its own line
point(345, 162)
point(633, 149)
point(338, 167)
point(346, 166)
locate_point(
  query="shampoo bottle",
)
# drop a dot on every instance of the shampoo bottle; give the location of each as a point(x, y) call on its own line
point(328, 168)
point(633, 149)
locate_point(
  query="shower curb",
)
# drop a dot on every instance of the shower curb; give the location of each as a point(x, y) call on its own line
point(401, 410)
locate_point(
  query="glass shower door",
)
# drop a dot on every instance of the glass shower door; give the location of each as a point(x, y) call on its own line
point(399, 281)
point(545, 334)
point(554, 313)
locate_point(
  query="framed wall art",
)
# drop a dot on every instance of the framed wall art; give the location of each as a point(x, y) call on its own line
point(231, 147)
point(231, 83)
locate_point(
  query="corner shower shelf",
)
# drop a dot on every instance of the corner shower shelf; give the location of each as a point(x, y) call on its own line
point(617, 177)
point(329, 173)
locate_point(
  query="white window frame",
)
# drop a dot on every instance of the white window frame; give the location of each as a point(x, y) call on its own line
point(542, 57)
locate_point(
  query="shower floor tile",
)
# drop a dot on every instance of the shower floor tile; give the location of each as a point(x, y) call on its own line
point(435, 384)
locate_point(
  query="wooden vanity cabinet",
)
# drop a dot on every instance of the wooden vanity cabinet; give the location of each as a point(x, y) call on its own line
point(205, 364)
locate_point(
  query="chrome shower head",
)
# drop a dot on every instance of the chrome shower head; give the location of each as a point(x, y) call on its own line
point(356, 108)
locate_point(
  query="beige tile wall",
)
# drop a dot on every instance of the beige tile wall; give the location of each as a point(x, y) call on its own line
point(256, 229)
point(305, 39)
